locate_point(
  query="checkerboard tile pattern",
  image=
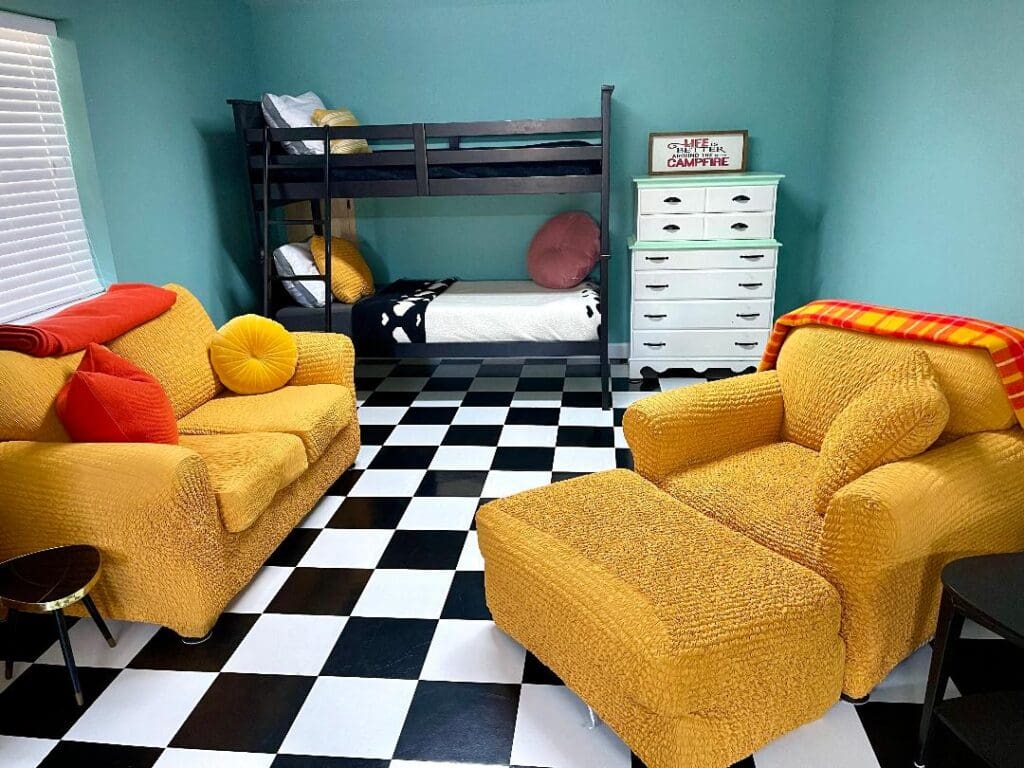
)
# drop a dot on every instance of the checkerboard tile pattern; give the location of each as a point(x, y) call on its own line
point(365, 641)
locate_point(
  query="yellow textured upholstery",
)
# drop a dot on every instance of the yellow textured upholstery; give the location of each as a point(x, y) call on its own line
point(175, 348)
point(247, 470)
point(886, 532)
point(324, 358)
point(182, 527)
point(822, 369)
point(315, 413)
point(685, 427)
point(28, 389)
point(766, 493)
point(898, 415)
point(351, 278)
point(252, 354)
point(696, 645)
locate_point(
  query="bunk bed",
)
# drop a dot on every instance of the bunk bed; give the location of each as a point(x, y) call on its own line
point(508, 157)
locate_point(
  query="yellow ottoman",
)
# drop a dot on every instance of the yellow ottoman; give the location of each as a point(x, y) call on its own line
point(696, 645)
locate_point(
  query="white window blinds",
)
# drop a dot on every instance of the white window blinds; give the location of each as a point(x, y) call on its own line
point(45, 259)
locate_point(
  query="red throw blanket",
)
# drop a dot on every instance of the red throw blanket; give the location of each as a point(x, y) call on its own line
point(124, 306)
point(1005, 343)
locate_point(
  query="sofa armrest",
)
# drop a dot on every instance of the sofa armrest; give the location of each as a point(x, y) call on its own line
point(149, 508)
point(324, 358)
point(888, 534)
point(675, 430)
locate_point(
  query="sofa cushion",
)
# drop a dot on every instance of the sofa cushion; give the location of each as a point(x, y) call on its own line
point(28, 391)
point(897, 416)
point(247, 470)
point(766, 493)
point(174, 348)
point(315, 413)
point(822, 369)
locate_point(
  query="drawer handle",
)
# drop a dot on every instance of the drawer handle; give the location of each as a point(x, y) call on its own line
point(748, 315)
point(751, 256)
point(654, 344)
point(672, 200)
point(655, 317)
point(742, 285)
point(740, 226)
point(741, 199)
point(656, 258)
point(745, 344)
point(671, 228)
point(660, 286)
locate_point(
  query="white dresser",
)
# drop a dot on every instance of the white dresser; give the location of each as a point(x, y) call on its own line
point(704, 260)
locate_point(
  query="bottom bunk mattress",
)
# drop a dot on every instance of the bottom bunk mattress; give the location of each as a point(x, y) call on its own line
point(454, 311)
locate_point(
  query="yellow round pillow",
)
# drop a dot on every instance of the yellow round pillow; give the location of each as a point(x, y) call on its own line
point(252, 354)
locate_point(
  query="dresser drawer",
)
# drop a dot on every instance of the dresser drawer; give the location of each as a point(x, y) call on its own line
point(672, 200)
point(730, 199)
point(738, 226)
point(675, 315)
point(704, 284)
point(704, 344)
point(670, 227)
point(710, 258)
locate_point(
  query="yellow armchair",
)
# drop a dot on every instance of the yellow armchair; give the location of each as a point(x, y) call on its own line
point(182, 528)
point(745, 451)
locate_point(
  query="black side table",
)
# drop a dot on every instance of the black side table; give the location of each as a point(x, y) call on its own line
point(990, 591)
point(49, 581)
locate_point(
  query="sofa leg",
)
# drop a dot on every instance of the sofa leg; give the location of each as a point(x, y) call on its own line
point(196, 640)
point(856, 702)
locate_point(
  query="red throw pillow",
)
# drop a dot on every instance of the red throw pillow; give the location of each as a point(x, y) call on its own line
point(111, 400)
point(564, 250)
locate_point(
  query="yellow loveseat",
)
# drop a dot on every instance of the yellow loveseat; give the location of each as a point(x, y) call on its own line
point(182, 528)
point(744, 451)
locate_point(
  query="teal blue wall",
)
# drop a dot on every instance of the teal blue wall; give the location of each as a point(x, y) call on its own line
point(159, 180)
point(676, 65)
point(925, 206)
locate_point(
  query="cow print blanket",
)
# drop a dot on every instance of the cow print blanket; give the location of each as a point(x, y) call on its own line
point(396, 314)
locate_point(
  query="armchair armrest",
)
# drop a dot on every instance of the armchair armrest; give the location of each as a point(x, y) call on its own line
point(675, 430)
point(888, 534)
point(149, 508)
point(324, 358)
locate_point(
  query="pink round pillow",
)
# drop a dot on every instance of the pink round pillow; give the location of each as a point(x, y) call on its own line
point(564, 250)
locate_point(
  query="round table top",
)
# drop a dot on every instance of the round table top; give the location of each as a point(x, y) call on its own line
point(49, 579)
point(993, 585)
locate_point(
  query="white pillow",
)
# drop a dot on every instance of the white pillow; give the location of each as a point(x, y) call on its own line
point(293, 112)
point(295, 259)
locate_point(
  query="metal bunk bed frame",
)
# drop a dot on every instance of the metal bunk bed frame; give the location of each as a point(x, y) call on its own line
point(314, 179)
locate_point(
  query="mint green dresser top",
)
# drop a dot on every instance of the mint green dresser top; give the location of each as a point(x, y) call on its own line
point(709, 180)
point(699, 245)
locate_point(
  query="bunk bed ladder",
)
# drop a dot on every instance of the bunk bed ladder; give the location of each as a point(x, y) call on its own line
point(602, 330)
point(321, 221)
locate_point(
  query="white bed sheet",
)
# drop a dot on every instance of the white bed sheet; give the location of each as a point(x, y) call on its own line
point(513, 310)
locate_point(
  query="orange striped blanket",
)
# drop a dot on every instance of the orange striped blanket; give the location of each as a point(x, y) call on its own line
point(1003, 342)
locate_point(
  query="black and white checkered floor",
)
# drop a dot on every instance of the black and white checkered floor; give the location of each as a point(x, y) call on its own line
point(365, 641)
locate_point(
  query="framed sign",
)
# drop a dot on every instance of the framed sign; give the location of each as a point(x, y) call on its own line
point(697, 152)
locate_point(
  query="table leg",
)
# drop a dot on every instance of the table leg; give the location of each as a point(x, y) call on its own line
point(69, 657)
point(950, 624)
point(90, 606)
point(9, 651)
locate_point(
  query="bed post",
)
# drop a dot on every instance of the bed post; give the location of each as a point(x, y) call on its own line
point(606, 116)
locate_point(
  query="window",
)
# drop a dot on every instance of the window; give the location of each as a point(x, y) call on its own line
point(45, 259)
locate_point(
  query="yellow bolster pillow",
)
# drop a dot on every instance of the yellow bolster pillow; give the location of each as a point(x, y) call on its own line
point(340, 118)
point(252, 354)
